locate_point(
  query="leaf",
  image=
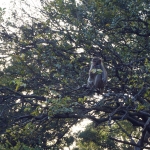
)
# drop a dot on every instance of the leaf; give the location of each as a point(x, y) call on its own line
point(98, 71)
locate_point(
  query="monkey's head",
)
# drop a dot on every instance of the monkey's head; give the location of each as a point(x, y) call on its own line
point(96, 61)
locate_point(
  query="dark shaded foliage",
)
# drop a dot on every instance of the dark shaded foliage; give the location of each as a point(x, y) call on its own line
point(41, 95)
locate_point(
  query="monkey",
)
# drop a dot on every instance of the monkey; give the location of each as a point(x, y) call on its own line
point(97, 75)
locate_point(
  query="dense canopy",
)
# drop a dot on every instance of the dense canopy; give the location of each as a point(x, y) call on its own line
point(45, 61)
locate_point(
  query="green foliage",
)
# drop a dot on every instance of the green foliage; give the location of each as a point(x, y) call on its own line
point(99, 137)
point(45, 61)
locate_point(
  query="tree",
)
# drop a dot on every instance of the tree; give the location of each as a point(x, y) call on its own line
point(99, 137)
point(41, 85)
